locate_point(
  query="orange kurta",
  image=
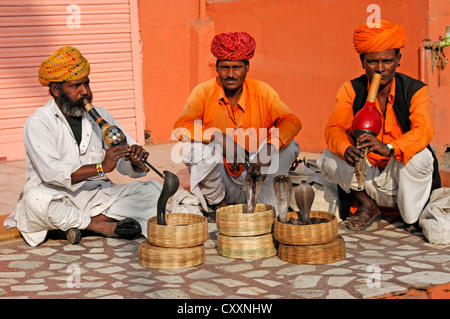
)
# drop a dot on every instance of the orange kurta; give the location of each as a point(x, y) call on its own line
point(207, 110)
point(406, 145)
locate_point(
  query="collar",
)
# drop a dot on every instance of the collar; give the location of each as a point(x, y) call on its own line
point(242, 98)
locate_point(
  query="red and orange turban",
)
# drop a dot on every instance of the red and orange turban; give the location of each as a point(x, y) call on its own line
point(66, 64)
point(388, 36)
point(233, 46)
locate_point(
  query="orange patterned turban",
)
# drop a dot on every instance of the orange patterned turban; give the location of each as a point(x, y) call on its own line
point(233, 46)
point(66, 64)
point(388, 36)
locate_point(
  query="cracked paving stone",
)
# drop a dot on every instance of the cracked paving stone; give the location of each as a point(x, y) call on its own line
point(99, 293)
point(416, 264)
point(253, 291)
point(230, 282)
point(24, 264)
point(205, 289)
point(339, 294)
point(296, 269)
point(96, 256)
point(139, 288)
point(45, 251)
point(236, 268)
point(255, 273)
point(376, 261)
point(337, 271)
point(432, 258)
point(29, 288)
point(309, 293)
point(168, 294)
point(12, 274)
point(13, 257)
point(425, 278)
point(401, 269)
point(171, 279)
point(143, 281)
point(110, 270)
point(64, 258)
point(373, 289)
point(202, 274)
point(269, 283)
point(303, 281)
point(339, 281)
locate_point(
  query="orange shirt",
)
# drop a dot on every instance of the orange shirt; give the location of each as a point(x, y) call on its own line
point(207, 110)
point(406, 145)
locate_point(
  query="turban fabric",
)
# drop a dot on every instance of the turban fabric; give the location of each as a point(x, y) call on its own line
point(66, 64)
point(233, 46)
point(388, 36)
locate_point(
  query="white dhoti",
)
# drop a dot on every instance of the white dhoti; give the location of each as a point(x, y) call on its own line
point(42, 208)
point(407, 186)
point(212, 184)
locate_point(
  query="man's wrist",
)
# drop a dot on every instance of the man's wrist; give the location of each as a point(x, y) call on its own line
point(391, 150)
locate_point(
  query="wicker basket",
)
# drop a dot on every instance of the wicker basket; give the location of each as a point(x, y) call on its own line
point(247, 247)
point(307, 234)
point(313, 254)
point(170, 258)
point(182, 230)
point(233, 221)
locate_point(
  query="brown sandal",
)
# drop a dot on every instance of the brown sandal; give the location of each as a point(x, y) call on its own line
point(362, 214)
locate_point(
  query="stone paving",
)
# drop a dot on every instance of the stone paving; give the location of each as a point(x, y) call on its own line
point(382, 259)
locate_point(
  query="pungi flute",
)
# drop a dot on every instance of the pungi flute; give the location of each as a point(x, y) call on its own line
point(367, 120)
point(113, 135)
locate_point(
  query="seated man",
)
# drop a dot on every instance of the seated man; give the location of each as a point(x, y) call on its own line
point(401, 168)
point(236, 126)
point(66, 186)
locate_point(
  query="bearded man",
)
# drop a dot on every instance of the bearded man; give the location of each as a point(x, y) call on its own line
point(233, 126)
point(401, 169)
point(66, 162)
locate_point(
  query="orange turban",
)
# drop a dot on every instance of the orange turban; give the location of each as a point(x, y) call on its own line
point(233, 46)
point(66, 64)
point(388, 36)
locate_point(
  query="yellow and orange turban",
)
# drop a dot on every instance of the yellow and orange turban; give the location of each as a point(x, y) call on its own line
point(66, 64)
point(233, 46)
point(388, 36)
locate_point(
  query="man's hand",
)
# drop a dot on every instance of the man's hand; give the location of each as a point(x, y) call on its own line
point(352, 155)
point(233, 152)
point(373, 144)
point(137, 154)
point(112, 155)
point(262, 160)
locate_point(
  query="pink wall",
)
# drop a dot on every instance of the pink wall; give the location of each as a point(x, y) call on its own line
point(304, 50)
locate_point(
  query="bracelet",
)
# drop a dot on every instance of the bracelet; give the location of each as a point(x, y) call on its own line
point(99, 168)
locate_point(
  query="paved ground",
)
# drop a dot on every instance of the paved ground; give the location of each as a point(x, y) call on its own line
point(382, 261)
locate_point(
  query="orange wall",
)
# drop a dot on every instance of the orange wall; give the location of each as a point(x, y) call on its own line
point(304, 50)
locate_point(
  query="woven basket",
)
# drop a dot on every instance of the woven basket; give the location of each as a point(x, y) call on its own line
point(313, 254)
point(247, 247)
point(307, 234)
point(182, 230)
point(233, 221)
point(170, 258)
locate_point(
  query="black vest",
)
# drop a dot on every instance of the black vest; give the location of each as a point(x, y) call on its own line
point(405, 88)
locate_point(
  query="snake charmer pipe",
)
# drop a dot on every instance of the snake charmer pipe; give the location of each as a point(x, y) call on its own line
point(367, 120)
point(112, 136)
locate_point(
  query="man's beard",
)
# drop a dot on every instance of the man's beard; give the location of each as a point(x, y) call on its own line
point(70, 108)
